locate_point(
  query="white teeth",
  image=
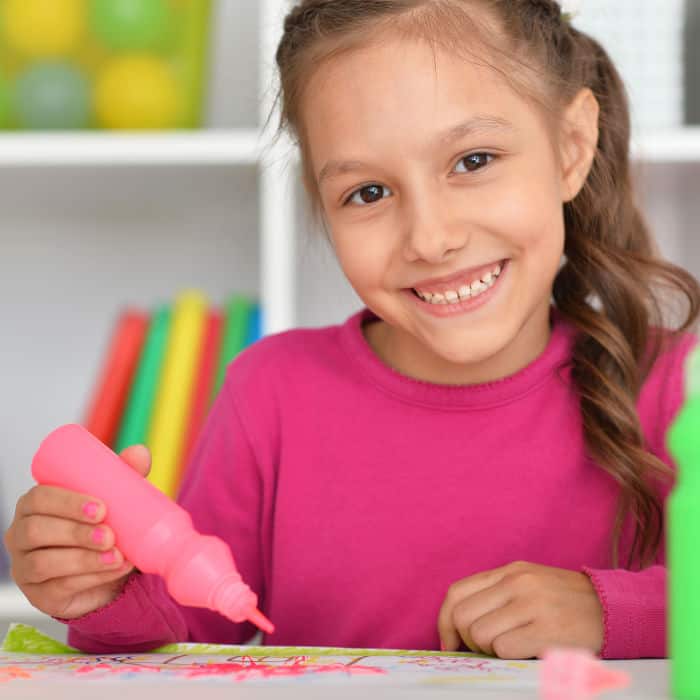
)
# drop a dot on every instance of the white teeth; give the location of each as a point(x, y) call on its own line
point(451, 297)
point(465, 292)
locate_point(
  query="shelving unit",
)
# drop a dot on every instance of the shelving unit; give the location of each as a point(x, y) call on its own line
point(187, 148)
point(118, 173)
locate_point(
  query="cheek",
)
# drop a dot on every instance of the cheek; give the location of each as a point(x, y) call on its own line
point(362, 254)
point(532, 220)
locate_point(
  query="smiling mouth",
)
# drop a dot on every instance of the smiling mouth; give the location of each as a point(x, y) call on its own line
point(464, 290)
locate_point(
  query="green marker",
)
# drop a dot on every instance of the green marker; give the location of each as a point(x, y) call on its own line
point(683, 538)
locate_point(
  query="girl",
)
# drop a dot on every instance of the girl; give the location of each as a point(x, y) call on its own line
point(477, 458)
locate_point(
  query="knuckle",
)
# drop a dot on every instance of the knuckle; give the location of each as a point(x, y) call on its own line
point(452, 593)
point(33, 532)
point(480, 635)
point(521, 581)
point(36, 566)
point(81, 534)
point(9, 537)
point(517, 566)
point(33, 499)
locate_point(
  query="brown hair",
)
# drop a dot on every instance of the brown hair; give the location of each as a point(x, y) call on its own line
point(613, 285)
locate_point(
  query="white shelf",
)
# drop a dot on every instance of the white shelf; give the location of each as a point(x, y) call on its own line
point(680, 145)
point(13, 604)
point(214, 147)
point(238, 147)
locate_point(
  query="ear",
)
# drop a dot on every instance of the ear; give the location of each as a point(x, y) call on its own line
point(578, 143)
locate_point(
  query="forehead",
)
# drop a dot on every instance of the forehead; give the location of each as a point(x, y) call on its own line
point(402, 92)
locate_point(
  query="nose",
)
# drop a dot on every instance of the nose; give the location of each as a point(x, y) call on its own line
point(431, 234)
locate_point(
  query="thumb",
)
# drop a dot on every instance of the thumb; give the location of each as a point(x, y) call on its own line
point(138, 457)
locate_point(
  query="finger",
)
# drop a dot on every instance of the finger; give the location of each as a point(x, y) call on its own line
point(42, 531)
point(524, 642)
point(68, 586)
point(503, 618)
point(55, 597)
point(449, 635)
point(138, 457)
point(475, 607)
point(51, 500)
point(43, 565)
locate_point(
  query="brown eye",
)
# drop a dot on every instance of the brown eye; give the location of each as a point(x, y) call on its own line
point(475, 161)
point(367, 195)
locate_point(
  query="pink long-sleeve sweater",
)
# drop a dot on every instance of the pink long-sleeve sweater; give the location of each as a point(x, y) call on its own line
point(352, 497)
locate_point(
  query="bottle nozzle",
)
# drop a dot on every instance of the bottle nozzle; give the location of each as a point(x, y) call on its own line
point(259, 620)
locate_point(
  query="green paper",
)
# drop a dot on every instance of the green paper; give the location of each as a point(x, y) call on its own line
point(137, 415)
point(24, 639)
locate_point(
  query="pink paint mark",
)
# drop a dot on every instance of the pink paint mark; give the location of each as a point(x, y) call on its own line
point(12, 673)
point(455, 663)
point(122, 668)
point(250, 670)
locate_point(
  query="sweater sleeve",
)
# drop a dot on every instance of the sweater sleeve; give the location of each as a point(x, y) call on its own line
point(634, 602)
point(222, 492)
point(634, 611)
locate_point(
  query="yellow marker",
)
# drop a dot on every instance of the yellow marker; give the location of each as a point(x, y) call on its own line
point(43, 28)
point(138, 91)
point(174, 396)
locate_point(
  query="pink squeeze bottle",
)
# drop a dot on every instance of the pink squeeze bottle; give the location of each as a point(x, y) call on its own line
point(152, 531)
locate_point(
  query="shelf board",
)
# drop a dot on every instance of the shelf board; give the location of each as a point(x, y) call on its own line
point(667, 145)
point(13, 604)
point(205, 147)
point(239, 147)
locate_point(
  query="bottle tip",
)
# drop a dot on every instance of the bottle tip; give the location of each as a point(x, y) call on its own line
point(259, 620)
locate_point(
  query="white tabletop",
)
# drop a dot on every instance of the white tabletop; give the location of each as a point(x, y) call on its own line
point(649, 681)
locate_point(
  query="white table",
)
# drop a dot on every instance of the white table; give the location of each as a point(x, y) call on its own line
point(649, 681)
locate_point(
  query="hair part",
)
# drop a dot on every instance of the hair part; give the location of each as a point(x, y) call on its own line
point(613, 287)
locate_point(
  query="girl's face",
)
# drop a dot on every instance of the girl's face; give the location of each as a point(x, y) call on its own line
point(443, 194)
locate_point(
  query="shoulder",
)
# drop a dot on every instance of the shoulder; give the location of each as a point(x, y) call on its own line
point(306, 353)
point(663, 391)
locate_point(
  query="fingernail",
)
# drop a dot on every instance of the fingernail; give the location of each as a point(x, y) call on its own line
point(98, 535)
point(108, 557)
point(91, 510)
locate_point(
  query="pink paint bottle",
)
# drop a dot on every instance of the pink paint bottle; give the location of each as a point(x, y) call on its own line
point(152, 531)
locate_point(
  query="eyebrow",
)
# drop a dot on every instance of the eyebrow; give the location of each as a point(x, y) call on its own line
point(481, 123)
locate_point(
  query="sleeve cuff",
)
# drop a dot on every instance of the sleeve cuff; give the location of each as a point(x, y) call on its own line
point(634, 611)
point(141, 618)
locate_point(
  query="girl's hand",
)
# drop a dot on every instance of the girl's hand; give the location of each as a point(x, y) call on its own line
point(62, 558)
point(519, 610)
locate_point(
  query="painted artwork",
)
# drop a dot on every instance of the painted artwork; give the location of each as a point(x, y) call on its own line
point(28, 655)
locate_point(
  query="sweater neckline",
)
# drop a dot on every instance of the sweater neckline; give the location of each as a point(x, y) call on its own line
point(554, 358)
